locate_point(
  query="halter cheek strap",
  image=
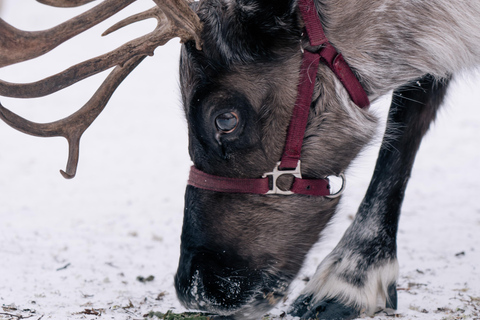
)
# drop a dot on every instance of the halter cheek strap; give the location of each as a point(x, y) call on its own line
point(290, 161)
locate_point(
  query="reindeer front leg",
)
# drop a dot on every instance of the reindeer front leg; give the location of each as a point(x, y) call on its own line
point(363, 267)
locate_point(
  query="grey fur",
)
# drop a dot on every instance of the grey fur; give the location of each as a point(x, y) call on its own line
point(391, 42)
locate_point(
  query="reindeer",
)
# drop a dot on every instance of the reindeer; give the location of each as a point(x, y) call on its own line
point(264, 81)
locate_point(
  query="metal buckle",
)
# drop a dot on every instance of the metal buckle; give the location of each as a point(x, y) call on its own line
point(276, 173)
point(342, 188)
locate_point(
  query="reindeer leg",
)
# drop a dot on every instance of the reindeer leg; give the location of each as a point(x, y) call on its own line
point(363, 266)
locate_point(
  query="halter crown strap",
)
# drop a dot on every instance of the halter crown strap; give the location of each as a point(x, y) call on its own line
point(335, 61)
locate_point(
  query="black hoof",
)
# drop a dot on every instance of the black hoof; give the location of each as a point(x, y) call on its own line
point(392, 301)
point(301, 306)
point(331, 310)
point(324, 310)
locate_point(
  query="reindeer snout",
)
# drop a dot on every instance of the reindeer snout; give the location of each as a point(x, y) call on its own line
point(222, 269)
point(209, 282)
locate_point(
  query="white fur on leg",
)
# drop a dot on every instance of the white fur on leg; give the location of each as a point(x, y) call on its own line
point(331, 282)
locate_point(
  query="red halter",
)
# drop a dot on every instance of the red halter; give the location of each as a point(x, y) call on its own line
point(290, 162)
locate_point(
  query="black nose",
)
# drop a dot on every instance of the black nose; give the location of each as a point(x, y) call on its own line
point(215, 282)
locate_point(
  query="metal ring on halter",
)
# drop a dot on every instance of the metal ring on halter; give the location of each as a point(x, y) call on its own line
point(339, 192)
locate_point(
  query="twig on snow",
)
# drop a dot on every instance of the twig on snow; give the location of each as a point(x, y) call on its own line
point(64, 267)
point(18, 316)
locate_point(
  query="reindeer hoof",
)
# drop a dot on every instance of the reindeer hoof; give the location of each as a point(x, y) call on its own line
point(331, 310)
point(323, 310)
point(392, 301)
point(301, 306)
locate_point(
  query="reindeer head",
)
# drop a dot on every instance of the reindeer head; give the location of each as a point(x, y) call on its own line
point(239, 73)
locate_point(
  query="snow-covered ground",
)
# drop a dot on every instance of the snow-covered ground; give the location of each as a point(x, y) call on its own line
point(75, 249)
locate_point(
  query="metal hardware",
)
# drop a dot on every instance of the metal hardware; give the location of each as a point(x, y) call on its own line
point(276, 173)
point(339, 192)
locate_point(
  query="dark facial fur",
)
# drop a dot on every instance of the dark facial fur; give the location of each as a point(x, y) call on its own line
point(240, 252)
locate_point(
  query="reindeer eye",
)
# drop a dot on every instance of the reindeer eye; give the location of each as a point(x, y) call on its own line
point(227, 122)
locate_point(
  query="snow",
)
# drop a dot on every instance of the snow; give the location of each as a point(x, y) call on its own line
point(73, 249)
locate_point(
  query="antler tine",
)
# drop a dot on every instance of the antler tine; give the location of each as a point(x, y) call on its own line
point(77, 72)
point(18, 45)
point(154, 12)
point(175, 19)
point(73, 126)
point(168, 27)
point(65, 3)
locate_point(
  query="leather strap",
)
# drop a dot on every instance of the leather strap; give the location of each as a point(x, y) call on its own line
point(298, 121)
point(335, 61)
point(314, 27)
point(202, 180)
point(329, 54)
point(210, 182)
point(344, 73)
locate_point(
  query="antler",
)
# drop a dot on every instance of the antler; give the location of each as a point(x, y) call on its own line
point(175, 19)
point(65, 3)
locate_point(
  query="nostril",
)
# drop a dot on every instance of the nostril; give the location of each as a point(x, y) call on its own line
point(192, 291)
point(227, 287)
point(187, 289)
point(212, 292)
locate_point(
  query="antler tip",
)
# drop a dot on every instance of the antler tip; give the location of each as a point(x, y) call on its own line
point(63, 3)
point(66, 175)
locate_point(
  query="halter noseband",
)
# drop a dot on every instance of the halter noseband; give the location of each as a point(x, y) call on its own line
point(290, 161)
